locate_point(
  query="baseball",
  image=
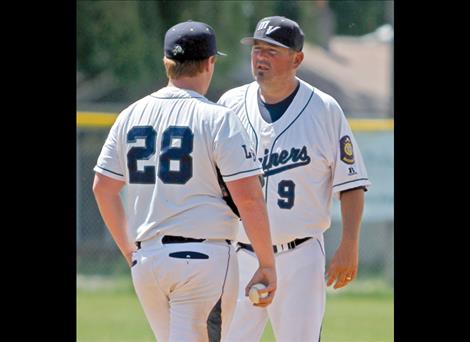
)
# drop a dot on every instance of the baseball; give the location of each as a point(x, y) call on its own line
point(255, 295)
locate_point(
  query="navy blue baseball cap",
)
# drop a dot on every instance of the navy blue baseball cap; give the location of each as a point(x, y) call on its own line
point(279, 31)
point(190, 40)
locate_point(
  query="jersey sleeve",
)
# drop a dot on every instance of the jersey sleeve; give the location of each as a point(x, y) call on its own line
point(348, 166)
point(233, 152)
point(110, 161)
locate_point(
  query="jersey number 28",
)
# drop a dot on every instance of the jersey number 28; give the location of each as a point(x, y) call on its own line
point(177, 144)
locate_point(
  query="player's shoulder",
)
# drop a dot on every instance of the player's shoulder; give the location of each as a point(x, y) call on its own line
point(318, 95)
point(125, 113)
point(213, 108)
point(235, 96)
point(326, 99)
point(140, 103)
point(323, 102)
point(237, 91)
point(214, 114)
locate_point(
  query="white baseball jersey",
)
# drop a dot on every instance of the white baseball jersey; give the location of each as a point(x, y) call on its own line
point(308, 155)
point(166, 147)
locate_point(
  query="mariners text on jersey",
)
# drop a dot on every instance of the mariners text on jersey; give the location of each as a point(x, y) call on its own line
point(297, 157)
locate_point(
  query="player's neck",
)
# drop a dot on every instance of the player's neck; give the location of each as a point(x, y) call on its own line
point(197, 84)
point(276, 92)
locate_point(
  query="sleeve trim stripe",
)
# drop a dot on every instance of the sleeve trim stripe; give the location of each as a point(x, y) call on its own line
point(102, 168)
point(233, 174)
point(356, 180)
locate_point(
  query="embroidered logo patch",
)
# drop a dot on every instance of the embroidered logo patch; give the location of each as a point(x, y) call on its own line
point(346, 149)
point(177, 50)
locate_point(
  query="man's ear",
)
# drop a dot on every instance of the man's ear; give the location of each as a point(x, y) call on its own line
point(298, 58)
point(209, 61)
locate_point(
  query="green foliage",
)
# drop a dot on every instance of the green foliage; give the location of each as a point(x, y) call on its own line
point(125, 38)
point(358, 17)
point(119, 37)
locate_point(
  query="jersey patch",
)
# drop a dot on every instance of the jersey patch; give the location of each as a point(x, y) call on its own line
point(346, 149)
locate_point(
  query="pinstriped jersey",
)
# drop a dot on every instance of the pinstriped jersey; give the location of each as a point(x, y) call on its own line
point(166, 147)
point(308, 155)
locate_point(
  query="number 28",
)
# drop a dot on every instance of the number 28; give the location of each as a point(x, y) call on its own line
point(180, 153)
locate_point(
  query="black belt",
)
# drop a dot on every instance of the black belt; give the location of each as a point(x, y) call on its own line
point(176, 239)
point(290, 245)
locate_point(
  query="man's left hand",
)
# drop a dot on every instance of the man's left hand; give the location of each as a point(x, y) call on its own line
point(343, 267)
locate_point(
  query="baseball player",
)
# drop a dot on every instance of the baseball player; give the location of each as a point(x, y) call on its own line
point(309, 155)
point(167, 149)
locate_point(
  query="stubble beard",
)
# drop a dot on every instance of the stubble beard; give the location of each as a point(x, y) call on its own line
point(259, 76)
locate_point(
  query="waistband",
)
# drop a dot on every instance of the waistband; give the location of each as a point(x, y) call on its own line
point(277, 248)
point(166, 239)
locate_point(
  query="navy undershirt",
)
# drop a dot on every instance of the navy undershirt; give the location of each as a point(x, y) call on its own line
point(273, 112)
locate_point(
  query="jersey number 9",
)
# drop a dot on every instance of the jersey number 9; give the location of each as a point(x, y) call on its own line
point(286, 190)
point(177, 144)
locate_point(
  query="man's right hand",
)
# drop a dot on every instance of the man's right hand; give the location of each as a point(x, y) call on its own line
point(267, 276)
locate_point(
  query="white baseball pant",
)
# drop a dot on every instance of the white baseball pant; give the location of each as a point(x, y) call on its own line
point(296, 312)
point(188, 291)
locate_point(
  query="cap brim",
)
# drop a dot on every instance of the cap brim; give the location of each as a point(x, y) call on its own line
point(221, 53)
point(251, 41)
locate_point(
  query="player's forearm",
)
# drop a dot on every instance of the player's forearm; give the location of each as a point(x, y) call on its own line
point(352, 207)
point(112, 211)
point(248, 197)
point(114, 217)
point(255, 221)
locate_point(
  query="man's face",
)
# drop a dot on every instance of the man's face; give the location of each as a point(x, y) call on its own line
point(271, 62)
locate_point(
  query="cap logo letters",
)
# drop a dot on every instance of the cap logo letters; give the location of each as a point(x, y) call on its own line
point(264, 24)
point(271, 29)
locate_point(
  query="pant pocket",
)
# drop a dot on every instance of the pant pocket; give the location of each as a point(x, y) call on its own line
point(188, 255)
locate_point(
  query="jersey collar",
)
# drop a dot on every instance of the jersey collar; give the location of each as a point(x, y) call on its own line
point(176, 93)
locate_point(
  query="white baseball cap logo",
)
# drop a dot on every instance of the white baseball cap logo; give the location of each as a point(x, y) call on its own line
point(177, 49)
point(271, 29)
point(264, 24)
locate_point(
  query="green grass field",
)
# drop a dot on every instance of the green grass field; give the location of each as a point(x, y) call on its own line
point(108, 310)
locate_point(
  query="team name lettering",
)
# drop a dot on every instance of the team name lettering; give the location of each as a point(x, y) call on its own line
point(249, 154)
point(276, 162)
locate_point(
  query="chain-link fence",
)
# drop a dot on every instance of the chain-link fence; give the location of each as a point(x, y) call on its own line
point(97, 253)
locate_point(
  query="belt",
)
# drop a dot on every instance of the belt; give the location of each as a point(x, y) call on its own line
point(278, 248)
point(177, 239)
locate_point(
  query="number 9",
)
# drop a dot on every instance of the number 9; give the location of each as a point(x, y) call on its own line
point(286, 191)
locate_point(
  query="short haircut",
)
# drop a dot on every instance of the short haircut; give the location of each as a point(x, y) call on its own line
point(189, 68)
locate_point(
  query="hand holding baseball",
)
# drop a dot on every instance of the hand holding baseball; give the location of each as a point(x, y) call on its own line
point(260, 294)
point(256, 292)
